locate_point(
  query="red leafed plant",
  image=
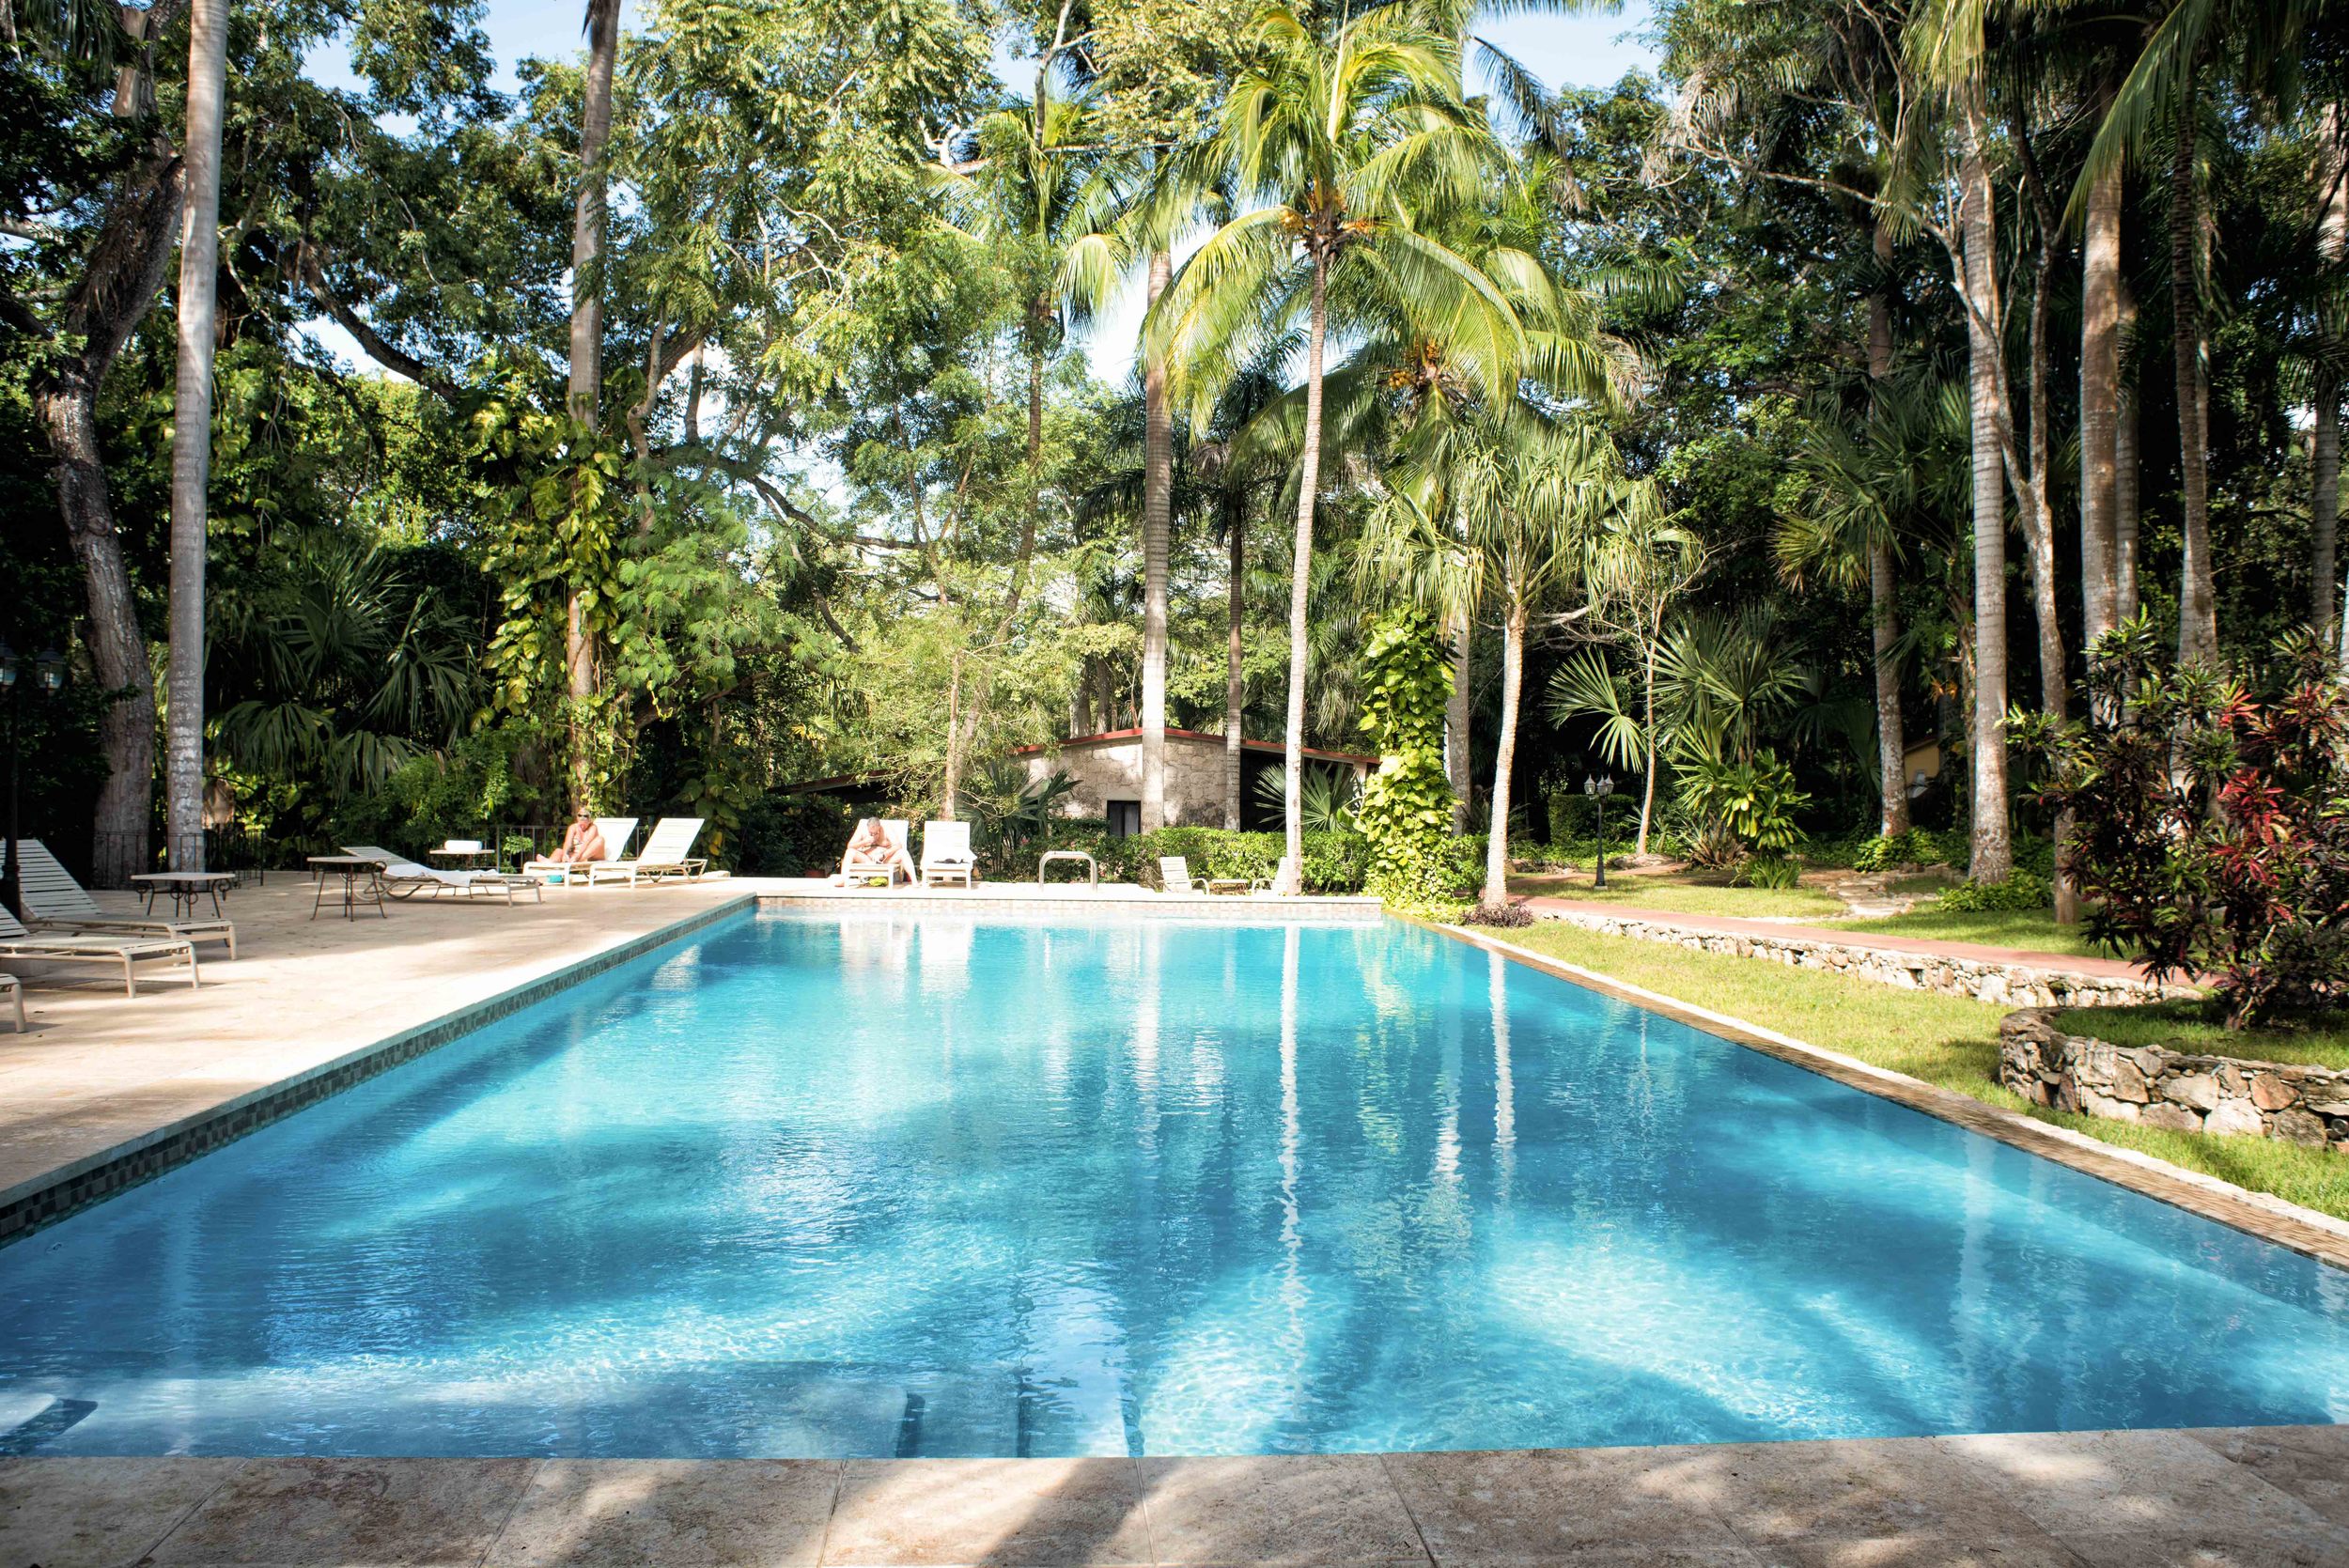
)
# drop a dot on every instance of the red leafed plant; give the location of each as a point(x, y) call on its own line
point(2210, 827)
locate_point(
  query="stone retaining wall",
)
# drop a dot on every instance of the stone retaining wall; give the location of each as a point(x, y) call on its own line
point(2011, 983)
point(2162, 1088)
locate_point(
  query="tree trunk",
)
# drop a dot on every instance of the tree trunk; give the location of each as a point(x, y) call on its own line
point(119, 284)
point(1235, 675)
point(2039, 533)
point(2332, 239)
point(1157, 481)
point(1892, 739)
point(2198, 608)
point(586, 380)
point(1992, 855)
point(125, 732)
point(1505, 753)
point(1647, 789)
point(1883, 610)
point(951, 792)
point(1457, 764)
point(2100, 406)
point(192, 434)
point(2127, 475)
point(1301, 584)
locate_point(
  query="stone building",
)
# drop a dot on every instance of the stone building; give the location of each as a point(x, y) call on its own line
point(1107, 770)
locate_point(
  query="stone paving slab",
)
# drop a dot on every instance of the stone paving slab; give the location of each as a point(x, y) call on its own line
point(2218, 1497)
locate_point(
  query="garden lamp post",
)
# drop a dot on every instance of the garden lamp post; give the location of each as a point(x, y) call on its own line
point(1598, 789)
point(48, 671)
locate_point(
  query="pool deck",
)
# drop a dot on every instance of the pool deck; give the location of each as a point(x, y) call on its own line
point(2251, 1498)
point(102, 1084)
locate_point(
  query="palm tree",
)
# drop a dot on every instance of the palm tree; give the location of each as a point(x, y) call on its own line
point(192, 433)
point(1869, 491)
point(1041, 193)
point(585, 393)
point(1527, 502)
point(2264, 41)
point(1335, 144)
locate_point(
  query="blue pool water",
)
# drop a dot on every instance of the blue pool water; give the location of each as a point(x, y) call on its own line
point(917, 1185)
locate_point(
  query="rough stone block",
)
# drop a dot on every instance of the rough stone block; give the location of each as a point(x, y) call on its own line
point(2199, 1090)
point(2299, 1128)
point(2171, 1117)
point(2236, 1116)
point(2270, 1092)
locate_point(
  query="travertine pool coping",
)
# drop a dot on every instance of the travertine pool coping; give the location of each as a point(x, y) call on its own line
point(2258, 1496)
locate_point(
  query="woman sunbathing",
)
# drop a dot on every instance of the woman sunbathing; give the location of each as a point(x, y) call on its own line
point(871, 849)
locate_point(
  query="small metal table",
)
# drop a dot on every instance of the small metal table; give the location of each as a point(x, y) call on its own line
point(356, 892)
point(1093, 873)
point(479, 858)
point(183, 888)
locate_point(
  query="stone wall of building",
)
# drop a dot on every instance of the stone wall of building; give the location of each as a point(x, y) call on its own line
point(2008, 983)
point(2178, 1090)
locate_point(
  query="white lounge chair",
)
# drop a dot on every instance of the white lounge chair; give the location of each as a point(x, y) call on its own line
point(404, 879)
point(614, 831)
point(855, 866)
point(54, 901)
point(667, 852)
point(1175, 877)
point(15, 993)
point(64, 947)
point(946, 854)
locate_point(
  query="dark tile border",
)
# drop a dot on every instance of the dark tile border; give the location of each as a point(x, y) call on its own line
point(2268, 1219)
point(77, 1186)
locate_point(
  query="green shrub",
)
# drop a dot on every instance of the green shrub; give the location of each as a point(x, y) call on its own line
point(1775, 873)
point(2022, 890)
point(1908, 852)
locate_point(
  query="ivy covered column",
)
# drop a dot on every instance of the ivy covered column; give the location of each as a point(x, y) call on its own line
point(1406, 805)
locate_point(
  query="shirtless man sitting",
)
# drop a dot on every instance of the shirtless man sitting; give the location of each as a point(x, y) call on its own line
point(583, 842)
point(870, 850)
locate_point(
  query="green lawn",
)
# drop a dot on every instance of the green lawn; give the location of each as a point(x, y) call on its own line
point(1682, 895)
point(1950, 1041)
point(2033, 929)
point(2201, 1026)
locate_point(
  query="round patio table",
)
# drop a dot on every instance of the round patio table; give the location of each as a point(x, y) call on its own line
point(354, 868)
point(183, 888)
point(1093, 873)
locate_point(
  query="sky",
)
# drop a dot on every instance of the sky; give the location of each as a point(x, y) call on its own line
point(1562, 50)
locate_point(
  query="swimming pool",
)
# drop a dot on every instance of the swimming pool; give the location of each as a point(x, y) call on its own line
point(917, 1184)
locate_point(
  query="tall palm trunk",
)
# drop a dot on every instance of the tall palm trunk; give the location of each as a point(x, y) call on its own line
point(2198, 607)
point(1647, 789)
point(586, 380)
point(1235, 673)
point(192, 434)
point(2332, 239)
point(1158, 480)
point(1301, 584)
point(1883, 612)
point(2128, 473)
point(2100, 406)
point(1992, 851)
point(1456, 763)
point(1505, 752)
